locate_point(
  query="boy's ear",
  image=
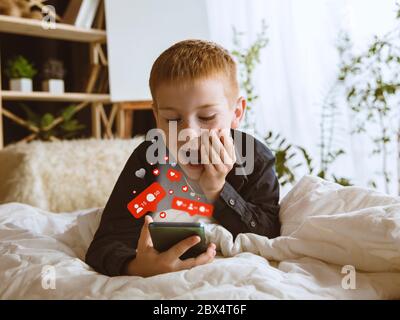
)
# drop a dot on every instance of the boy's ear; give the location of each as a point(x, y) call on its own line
point(240, 109)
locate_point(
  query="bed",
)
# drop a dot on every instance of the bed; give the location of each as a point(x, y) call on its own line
point(336, 243)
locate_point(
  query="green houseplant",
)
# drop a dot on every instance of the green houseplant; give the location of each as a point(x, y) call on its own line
point(20, 73)
point(372, 83)
point(288, 157)
point(48, 126)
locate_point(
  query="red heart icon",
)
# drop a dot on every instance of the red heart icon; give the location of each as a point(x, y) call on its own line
point(174, 175)
point(184, 188)
point(156, 172)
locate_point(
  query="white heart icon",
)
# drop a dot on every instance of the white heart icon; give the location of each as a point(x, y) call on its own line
point(140, 173)
point(179, 203)
point(172, 173)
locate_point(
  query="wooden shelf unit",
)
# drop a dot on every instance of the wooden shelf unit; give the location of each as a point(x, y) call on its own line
point(121, 113)
point(94, 38)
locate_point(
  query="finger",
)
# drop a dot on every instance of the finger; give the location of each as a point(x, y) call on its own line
point(217, 146)
point(215, 153)
point(209, 168)
point(228, 143)
point(205, 142)
point(216, 160)
point(145, 237)
point(221, 151)
point(181, 247)
point(203, 258)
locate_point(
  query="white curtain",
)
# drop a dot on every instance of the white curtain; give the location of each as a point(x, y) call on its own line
point(299, 66)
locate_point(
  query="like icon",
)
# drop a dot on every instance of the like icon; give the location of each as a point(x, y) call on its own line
point(192, 207)
point(147, 200)
point(174, 175)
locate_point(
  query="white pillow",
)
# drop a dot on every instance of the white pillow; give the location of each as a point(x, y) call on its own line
point(313, 196)
point(341, 225)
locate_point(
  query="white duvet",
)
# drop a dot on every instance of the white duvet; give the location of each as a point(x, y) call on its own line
point(324, 228)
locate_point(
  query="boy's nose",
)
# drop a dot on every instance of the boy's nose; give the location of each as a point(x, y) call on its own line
point(190, 125)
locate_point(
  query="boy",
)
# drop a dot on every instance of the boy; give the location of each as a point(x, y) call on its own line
point(194, 87)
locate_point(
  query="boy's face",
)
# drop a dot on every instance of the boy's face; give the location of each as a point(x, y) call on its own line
point(202, 104)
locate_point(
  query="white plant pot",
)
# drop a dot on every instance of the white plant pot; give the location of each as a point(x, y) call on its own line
point(22, 84)
point(55, 86)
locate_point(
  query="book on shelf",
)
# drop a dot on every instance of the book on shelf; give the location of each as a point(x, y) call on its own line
point(81, 13)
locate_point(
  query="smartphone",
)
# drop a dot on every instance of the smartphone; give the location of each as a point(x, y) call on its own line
point(166, 234)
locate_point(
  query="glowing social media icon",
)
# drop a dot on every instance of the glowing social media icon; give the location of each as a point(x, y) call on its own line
point(174, 175)
point(147, 200)
point(192, 207)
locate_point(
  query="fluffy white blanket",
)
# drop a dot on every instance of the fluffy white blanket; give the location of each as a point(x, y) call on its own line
point(324, 228)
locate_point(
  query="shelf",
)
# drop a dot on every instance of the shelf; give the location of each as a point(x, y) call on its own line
point(137, 105)
point(46, 96)
point(31, 27)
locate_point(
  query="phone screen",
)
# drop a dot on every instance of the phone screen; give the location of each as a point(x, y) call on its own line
point(166, 234)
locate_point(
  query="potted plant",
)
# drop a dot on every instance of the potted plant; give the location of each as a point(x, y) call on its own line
point(62, 125)
point(53, 76)
point(20, 72)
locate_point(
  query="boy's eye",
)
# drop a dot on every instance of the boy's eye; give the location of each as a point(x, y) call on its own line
point(207, 118)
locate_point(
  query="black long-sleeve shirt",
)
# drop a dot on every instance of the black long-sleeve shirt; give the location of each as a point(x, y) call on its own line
point(246, 204)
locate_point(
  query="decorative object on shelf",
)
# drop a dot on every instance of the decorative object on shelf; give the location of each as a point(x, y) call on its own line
point(49, 127)
point(32, 9)
point(53, 76)
point(10, 8)
point(81, 13)
point(20, 72)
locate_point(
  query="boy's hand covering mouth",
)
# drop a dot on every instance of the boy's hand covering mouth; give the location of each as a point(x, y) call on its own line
point(150, 262)
point(218, 157)
point(192, 154)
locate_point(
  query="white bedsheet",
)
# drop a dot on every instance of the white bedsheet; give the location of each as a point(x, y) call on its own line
point(324, 227)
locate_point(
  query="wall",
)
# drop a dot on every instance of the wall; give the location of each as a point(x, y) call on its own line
point(138, 31)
